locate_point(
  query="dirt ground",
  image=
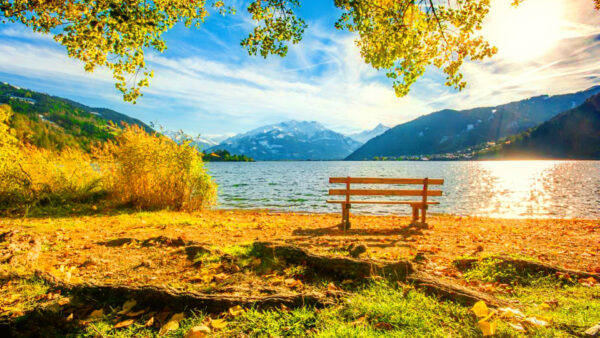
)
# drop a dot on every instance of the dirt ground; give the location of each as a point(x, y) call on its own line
point(111, 248)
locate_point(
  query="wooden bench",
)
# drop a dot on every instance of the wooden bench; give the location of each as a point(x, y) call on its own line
point(416, 205)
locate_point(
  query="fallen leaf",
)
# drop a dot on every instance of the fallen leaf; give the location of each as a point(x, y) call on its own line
point(13, 298)
point(64, 301)
point(136, 313)
point(124, 323)
point(198, 332)
point(544, 306)
point(383, 326)
point(536, 322)
point(150, 322)
point(70, 317)
point(507, 312)
point(218, 324)
point(96, 314)
point(487, 328)
point(171, 325)
point(236, 310)
point(480, 309)
point(127, 306)
point(332, 287)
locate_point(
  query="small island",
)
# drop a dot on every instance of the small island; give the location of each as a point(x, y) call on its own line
point(224, 156)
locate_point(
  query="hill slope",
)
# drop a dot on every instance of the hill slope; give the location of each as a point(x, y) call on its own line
point(452, 130)
point(53, 122)
point(574, 134)
point(292, 140)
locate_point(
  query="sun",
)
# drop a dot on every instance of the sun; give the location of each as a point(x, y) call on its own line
point(526, 32)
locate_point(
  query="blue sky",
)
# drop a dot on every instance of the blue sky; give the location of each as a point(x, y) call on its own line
point(205, 83)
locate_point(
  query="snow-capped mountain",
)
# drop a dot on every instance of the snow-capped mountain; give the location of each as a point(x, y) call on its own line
point(200, 141)
point(291, 140)
point(366, 135)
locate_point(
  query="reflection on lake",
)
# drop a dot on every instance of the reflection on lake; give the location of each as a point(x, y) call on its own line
point(496, 188)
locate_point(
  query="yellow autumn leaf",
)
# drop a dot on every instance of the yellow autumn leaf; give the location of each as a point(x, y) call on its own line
point(127, 306)
point(480, 309)
point(150, 322)
point(218, 324)
point(136, 313)
point(124, 323)
point(508, 312)
point(96, 314)
point(236, 310)
point(198, 332)
point(487, 328)
point(544, 306)
point(171, 325)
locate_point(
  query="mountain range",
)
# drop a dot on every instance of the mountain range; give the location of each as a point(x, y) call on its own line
point(291, 140)
point(560, 126)
point(453, 130)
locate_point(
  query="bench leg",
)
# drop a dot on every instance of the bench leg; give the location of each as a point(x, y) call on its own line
point(415, 213)
point(424, 215)
point(345, 225)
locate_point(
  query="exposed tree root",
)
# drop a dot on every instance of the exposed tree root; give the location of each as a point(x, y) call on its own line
point(345, 267)
point(525, 266)
point(336, 267)
point(161, 240)
point(451, 291)
point(161, 296)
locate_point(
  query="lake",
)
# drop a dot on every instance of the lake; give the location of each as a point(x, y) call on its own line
point(509, 189)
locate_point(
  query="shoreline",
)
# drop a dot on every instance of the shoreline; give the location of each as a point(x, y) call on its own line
point(429, 213)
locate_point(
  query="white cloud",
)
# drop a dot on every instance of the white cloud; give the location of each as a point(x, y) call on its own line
point(323, 79)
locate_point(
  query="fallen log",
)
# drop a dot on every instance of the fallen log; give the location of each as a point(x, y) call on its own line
point(350, 268)
point(337, 267)
point(525, 266)
point(160, 296)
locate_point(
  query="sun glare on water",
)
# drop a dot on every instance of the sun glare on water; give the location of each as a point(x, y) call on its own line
point(525, 32)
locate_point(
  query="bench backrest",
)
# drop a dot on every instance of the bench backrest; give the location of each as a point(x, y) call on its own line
point(424, 191)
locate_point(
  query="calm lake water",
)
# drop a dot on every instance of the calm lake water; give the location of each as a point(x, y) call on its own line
point(538, 189)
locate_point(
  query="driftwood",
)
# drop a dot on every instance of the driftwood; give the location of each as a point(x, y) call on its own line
point(343, 268)
point(526, 266)
point(161, 296)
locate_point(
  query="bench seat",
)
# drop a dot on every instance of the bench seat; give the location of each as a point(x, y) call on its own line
point(417, 206)
point(384, 202)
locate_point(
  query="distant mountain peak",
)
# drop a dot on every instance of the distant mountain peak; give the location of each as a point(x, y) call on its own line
point(290, 140)
point(366, 135)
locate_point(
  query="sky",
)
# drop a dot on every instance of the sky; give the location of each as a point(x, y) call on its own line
point(206, 84)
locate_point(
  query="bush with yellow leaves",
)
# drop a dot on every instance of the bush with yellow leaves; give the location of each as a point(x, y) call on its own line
point(137, 169)
point(33, 176)
point(153, 172)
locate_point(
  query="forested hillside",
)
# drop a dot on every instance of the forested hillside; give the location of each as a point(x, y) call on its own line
point(52, 122)
point(450, 130)
point(574, 134)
